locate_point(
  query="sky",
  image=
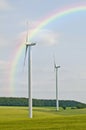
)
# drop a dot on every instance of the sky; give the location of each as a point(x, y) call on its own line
point(63, 38)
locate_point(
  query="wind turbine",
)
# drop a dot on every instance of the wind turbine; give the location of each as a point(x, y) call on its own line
point(57, 100)
point(28, 49)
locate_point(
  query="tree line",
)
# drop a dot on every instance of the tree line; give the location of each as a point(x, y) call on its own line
point(10, 101)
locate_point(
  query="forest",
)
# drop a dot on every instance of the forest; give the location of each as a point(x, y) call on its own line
point(16, 101)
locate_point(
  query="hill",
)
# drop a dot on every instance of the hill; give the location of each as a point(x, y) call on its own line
point(10, 101)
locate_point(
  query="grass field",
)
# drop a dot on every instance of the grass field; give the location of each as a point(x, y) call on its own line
point(16, 118)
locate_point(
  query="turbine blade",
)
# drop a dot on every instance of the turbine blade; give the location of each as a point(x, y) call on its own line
point(26, 44)
point(27, 34)
point(54, 62)
point(25, 54)
point(27, 37)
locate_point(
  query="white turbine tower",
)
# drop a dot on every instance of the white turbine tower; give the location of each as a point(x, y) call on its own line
point(28, 49)
point(57, 100)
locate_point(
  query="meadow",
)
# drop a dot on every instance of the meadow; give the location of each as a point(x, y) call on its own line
point(44, 118)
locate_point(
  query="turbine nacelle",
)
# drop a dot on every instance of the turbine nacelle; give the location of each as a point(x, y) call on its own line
point(30, 44)
point(57, 66)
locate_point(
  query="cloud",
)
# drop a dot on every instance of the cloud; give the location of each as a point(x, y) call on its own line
point(82, 74)
point(6, 46)
point(47, 37)
point(43, 37)
point(4, 74)
point(3, 40)
point(4, 77)
point(4, 5)
point(4, 66)
point(31, 23)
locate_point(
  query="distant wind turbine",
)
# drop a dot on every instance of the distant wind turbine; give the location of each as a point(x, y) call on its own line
point(28, 49)
point(57, 100)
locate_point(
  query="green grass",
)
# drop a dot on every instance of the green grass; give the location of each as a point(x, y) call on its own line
point(44, 118)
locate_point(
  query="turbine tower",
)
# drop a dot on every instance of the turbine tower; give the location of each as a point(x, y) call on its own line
point(57, 100)
point(28, 49)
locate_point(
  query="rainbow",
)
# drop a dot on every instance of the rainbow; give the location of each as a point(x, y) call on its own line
point(56, 14)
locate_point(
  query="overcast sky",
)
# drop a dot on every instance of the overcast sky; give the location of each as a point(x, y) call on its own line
point(65, 38)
